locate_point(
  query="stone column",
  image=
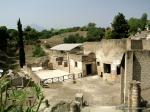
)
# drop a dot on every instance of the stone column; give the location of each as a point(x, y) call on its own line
point(134, 96)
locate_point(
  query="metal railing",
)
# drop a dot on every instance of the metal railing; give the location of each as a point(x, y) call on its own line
point(61, 78)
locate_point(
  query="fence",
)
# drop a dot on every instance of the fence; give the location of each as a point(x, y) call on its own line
point(61, 78)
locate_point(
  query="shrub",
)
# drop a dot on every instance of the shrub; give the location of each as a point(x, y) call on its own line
point(74, 39)
point(38, 51)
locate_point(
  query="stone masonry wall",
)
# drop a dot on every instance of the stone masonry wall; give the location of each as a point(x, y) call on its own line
point(137, 68)
point(142, 68)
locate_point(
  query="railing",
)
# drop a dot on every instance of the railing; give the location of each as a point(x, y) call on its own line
point(61, 78)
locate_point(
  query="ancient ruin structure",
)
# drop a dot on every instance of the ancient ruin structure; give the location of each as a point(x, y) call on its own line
point(120, 60)
point(134, 99)
point(70, 58)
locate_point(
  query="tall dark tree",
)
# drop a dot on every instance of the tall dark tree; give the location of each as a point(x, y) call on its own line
point(3, 38)
point(120, 27)
point(30, 34)
point(21, 44)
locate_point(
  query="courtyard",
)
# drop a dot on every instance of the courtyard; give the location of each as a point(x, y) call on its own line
point(96, 91)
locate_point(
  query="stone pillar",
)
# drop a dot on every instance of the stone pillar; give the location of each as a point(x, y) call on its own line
point(74, 78)
point(134, 96)
point(29, 67)
point(74, 107)
point(79, 98)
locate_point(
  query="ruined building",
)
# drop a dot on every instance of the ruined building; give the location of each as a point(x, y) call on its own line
point(120, 60)
point(123, 59)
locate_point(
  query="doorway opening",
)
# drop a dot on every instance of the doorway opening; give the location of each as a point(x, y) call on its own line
point(107, 68)
point(89, 69)
point(118, 70)
point(101, 74)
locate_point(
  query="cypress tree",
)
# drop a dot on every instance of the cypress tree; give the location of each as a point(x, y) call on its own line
point(21, 45)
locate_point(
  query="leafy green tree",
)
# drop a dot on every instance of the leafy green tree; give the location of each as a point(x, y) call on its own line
point(8, 48)
point(70, 39)
point(148, 24)
point(108, 34)
point(30, 34)
point(84, 28)
point(120, 27)
point(91, 25)
point(45, 34)
point(38, 51)
point(94, 33)
point(143, 21)
point(13, 34)
point(21, 44)
point(3, 38)
point(134, 24)
point(74, 39)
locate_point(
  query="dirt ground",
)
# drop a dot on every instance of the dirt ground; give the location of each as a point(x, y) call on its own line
point(96, 91)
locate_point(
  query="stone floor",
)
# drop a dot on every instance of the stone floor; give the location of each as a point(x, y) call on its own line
point(96, 92)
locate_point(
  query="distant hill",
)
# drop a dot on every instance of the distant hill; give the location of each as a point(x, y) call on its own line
point(58, 39)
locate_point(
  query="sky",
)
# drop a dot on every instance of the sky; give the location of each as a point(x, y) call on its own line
point(68, 13)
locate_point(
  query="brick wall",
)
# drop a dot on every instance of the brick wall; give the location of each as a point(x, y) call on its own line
point(136, 44)
point(137, 67)
point(142, 68)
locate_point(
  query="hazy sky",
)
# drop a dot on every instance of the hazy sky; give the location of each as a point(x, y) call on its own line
point(66, 13)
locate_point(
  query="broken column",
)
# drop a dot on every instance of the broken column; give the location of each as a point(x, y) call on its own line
point(134, 96)
point(75, 107)
point(79, 98)
point(74, 78)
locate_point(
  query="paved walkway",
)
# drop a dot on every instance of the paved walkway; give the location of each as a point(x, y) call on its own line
point(101, 109)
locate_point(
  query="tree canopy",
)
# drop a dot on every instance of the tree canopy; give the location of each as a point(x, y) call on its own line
point(120, 27)
point(143, 21)
point(74, 39)
point(134, 24)
point(94, 33)
point(3, 38)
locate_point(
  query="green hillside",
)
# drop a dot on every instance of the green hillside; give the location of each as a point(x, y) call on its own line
point(58, 39)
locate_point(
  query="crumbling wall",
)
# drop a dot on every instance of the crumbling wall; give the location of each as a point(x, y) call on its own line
point(127, 77)
point(134, 96)
point(146, 44)
point(61, 107)
point(64, 106)
point(138, 44)
point(137, 66)
point(142, 71)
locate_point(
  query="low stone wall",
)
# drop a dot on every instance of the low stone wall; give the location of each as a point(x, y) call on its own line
point(21, 82)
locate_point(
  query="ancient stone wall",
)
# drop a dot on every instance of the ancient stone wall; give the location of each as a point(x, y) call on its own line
point(146, 44)
point(134, 96)
point(137, 66)
point(105, 44)
point(138, 44)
